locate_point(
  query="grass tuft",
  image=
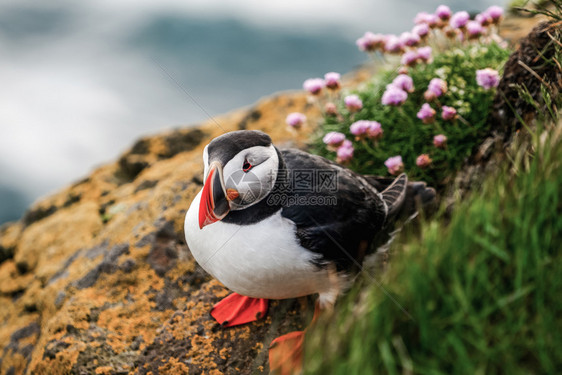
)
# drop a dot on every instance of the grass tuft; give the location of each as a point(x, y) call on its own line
point(483, 291)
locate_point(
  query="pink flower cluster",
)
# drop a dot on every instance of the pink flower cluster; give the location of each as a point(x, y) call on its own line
point(394, 96)
point(413, 48)
point(315, 86)
point(491, 16)
point(474, 29)
point(429, 19)
point(295, 120)
point(333, 140)
point(440, 141)
point(410, 44)
point(345, 152)
point(370, 42)
point(393, 44)
point(366, 129)
point(362, 129)
point(461, 25)
point(413, 57)
point(459, 20)
point(443, 12)
point(404, 82)
point(426, 114)
point(396, 93)
point(423, 161)
point(332, 80)
point(449, 113)
point(394, 165)
point(336, 141)
point(353, 103)
point(487, 78)
point(435, 89)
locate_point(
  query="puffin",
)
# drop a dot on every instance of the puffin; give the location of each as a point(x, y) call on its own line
point(274, 223)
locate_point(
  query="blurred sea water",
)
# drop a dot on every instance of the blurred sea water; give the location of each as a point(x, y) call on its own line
point(80, 81)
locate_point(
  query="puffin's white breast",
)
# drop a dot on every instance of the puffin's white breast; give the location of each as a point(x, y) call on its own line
point(261, 260)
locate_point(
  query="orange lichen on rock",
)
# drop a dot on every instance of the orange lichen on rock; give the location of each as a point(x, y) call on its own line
point(60, 235)
point(97, 278)
point(174, 366)
point(12, 280)
point(104, 370)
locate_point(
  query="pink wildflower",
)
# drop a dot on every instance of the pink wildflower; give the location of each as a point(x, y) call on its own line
point(394, 165)
point(409, 39)
point(495, 12)
point(483, 19)
point(375, 130)
point(459, 20)
point(487, 78)
point(409, 58)
point(345, 152)
point(449, 113)
point(426, 114)
point(443, 12)
point(394, 96)
point(332, 80)
point(370, 42)
point(440, 141)
point(314, 85)
point(295, 120)
point(404, 82)
point(353, 103)
point(421, 30)
point(393, 44)
point(432, 20)
point(364, 128)
point(423, 161)
point(333, 139)
point(474, 29)
point(424, 53)
point(359, 128)
point(435, 89)
point(423, 17)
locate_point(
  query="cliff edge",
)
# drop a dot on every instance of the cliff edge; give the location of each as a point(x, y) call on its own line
point(97, 278)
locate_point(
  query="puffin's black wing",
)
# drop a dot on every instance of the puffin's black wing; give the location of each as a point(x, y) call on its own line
point(417, 195)
point(336, 213)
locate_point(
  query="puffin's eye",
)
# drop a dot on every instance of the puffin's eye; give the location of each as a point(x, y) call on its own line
point(247, 166)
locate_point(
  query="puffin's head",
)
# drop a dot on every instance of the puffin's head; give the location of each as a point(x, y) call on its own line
point(240, 170)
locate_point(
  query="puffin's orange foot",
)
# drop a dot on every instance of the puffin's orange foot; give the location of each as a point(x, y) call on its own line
point(237, 309)
point(285, 353)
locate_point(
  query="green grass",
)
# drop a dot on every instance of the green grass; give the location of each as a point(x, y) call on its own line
point(405, 134)
point(483, 289)
point(478, 291)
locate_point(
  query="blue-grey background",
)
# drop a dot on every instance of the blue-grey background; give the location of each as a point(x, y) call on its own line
point(80, 81)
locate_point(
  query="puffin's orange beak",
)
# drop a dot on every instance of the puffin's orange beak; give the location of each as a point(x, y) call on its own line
point(214, 204)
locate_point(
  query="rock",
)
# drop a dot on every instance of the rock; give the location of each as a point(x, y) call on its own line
point(9, 236)
point(149, 150)
point(97, 278)
point(530, 67)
